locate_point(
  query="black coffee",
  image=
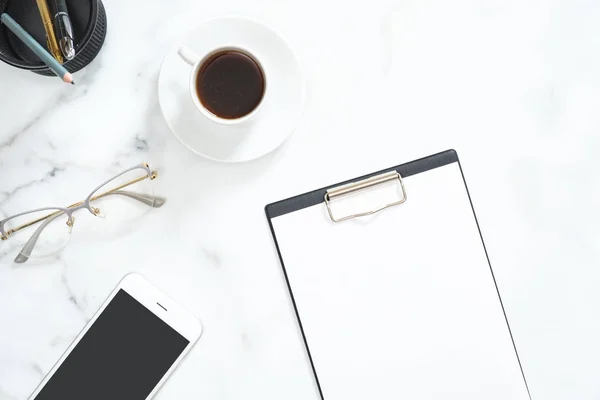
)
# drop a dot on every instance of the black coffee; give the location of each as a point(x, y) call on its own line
point(230, 84)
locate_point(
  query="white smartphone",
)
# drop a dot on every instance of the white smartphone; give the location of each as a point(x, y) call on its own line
point(128, 349)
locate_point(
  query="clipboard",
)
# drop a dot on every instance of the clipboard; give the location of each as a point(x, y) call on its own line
point(393, 290)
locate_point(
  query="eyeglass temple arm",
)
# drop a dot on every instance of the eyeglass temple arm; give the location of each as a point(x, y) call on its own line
point(23, 256)
point(149, 200)
point(25, 252)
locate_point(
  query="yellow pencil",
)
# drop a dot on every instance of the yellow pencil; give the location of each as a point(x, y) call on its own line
point(50, 36)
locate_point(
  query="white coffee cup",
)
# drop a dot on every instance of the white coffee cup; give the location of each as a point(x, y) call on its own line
point(197, 62)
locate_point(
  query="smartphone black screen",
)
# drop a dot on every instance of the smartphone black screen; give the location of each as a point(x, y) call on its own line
point(123, 356)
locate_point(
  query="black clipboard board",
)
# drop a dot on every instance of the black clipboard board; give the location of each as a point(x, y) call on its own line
point(319, 201)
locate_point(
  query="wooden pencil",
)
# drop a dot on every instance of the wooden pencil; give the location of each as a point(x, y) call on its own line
point(38, 49)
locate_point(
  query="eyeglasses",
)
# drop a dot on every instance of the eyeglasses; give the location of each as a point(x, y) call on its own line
point(55, 224)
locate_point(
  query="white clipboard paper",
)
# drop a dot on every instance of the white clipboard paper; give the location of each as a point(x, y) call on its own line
point(400, 304)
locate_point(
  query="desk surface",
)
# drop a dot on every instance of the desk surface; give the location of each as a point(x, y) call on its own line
point(513, 86)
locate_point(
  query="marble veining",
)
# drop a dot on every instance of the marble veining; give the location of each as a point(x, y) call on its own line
point(512, 85)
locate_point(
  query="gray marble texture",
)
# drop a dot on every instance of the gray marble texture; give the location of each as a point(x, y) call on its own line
point(513, 86)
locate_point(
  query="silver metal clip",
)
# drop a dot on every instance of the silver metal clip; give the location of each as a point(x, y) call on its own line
point(362, 185)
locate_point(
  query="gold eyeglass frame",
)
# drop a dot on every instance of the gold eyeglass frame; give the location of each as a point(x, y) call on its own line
point(71, 209)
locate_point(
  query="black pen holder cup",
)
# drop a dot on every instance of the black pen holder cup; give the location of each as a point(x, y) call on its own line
point(88, 18)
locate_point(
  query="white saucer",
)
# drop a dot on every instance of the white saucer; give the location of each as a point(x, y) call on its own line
point(279, 114)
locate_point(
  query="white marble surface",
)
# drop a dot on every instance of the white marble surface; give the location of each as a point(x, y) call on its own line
point(512, 85)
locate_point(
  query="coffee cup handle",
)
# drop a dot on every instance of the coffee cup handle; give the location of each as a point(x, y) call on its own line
point(188, 55)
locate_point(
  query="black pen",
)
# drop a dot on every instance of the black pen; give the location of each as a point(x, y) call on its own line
point(64, 29)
